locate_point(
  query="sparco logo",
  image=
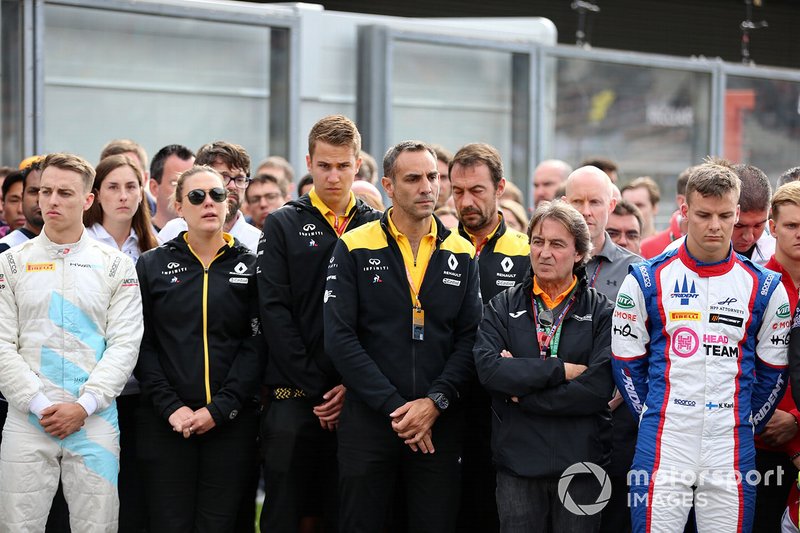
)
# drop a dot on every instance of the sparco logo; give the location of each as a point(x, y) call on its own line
point(645, 276)
point(584, 509)
point(687, 403)
point(767, 283)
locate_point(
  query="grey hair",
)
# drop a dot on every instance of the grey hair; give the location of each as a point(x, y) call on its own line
point(572, 220)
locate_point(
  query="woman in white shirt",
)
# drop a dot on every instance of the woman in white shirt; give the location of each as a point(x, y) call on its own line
point(119, 215)
point(120, 218)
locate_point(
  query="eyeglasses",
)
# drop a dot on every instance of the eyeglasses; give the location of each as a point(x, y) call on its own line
point(631, 235)
point(240, 181)
point(198, 196)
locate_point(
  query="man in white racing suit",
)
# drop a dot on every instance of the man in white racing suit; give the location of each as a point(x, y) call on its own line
point(70, 328)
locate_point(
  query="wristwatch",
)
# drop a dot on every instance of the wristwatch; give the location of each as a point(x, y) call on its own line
point(439, 400)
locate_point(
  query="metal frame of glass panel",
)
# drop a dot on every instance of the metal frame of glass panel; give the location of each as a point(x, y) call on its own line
point(27, 100)
point(530, 78)
point(374, 101)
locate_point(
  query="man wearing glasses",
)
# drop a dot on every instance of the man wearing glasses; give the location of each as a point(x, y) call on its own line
point(232, 161)
point(625, 226)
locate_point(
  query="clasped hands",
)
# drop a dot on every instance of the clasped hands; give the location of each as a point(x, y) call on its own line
point(188, 422)
point(413, 422)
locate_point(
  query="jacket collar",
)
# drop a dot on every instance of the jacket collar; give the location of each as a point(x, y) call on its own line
point(61, 250)
point(706, 270)
point(441, 232)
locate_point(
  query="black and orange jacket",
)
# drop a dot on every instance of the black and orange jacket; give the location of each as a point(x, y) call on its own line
point(368, 318)
point(202, 344)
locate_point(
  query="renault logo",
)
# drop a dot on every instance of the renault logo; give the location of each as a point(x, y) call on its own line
point(452, 262)
point(240, 268)
point(507, 264)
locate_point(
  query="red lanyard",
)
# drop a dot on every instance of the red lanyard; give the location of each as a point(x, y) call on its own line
point(339, 224)
point(596, 272)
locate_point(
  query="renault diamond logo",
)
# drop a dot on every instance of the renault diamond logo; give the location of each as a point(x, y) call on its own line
point(240, 268)
point(507, 264)
point(374, 261)
point(309, 227)
point(452, 262)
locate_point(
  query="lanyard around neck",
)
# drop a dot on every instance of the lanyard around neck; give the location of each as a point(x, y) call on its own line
point(552, 334)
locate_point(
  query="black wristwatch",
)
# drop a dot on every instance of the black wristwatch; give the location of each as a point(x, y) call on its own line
point(439, 400)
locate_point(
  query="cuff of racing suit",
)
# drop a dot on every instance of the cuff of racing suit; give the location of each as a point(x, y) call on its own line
point(88, 402)
point(39, 403)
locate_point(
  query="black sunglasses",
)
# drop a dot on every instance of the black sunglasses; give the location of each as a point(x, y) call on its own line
point(197, 196)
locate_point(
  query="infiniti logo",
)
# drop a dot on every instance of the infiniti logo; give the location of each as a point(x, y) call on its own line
point(172, 265)
point(374, 261)
point(309, 227)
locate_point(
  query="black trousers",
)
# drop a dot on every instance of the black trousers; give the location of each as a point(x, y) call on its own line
point(478, 511)
point(778, 474)
point(372, 458)
point(300, 469)
point(195, 484)
point(132, 510)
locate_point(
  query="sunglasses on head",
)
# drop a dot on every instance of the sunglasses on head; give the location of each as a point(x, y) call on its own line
point(197, 196)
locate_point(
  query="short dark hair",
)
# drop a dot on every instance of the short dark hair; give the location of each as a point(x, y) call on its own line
point(683, 179)
point(230, 154)
point(390, 159)
point(756, 192)
point(603, 163)
point(308, 179)
point(625, 208)
point(793, 174)
point(157, 164)
point(442, 154)
point(14, 177)
point(473, 154)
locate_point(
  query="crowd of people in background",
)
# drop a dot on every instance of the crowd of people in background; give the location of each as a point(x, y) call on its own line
point(394, 345)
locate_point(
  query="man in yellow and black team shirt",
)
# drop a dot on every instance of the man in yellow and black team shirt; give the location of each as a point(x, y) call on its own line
point(476, 175)
point(401, 310)
point(297, 430)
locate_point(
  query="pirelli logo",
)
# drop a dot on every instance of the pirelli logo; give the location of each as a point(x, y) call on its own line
point(40, 267)
point(685, 315)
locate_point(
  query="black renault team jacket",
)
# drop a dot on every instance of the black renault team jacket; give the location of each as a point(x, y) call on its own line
point(202, 344)
point(293, 257)
point(368, 318)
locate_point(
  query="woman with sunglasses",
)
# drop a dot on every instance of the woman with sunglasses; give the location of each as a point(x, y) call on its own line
point(543, 351)
point(199, 366)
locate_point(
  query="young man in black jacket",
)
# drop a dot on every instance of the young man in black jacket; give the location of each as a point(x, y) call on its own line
point(297, 430)
point(401, 308)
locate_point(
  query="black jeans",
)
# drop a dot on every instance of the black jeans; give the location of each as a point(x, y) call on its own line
point(372, 458)
point(478, 511)
point(300, 470)
point(195, 484)
point(532, 505)
point(132, 510)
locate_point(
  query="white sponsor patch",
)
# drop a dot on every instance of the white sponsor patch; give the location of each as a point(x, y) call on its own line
point(504, 283)
point(242, 281)
point(453, 282)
